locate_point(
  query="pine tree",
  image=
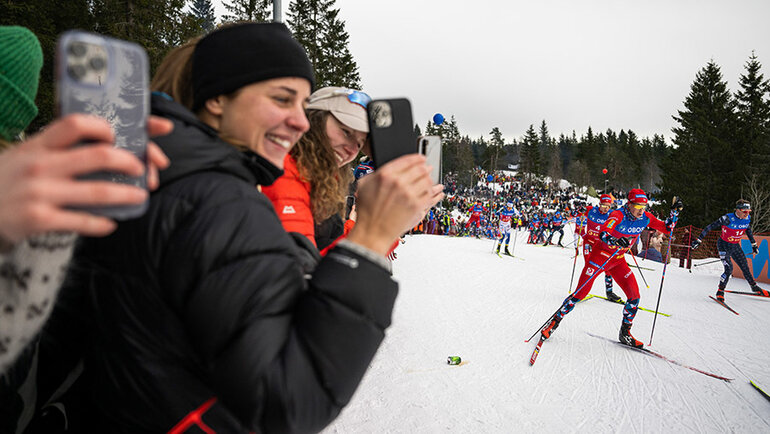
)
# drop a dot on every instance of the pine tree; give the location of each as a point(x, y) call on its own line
point(316, 25)
point(247, 10)
point(203, 10)
point(157, 25)
point(530, 154)
point(698, 169)
point(494, 149)
point(753, 108)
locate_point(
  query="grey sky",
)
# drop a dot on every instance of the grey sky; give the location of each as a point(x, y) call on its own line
point(617, 64)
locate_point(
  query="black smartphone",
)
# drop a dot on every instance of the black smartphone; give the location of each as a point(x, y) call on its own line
point(391, 129)
point(108, 78)
point(430, 146)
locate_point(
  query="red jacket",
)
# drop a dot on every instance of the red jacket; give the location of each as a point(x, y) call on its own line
point(290, 195)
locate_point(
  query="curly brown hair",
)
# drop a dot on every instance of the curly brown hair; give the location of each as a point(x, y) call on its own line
point(317, 164)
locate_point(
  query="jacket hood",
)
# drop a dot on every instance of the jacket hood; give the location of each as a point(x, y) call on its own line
point(194, 146)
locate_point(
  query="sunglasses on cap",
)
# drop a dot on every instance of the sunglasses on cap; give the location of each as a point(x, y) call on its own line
point(354, 96)
point(744, 207)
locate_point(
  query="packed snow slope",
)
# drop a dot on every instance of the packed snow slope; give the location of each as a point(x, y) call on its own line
point(458, 298)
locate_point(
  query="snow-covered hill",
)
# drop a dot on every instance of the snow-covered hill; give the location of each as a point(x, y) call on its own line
point(458, 298)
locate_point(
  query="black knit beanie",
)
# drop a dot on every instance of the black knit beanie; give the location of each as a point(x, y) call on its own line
point(233, 57)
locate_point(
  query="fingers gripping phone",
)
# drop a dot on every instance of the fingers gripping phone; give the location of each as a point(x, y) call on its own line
point(391, 129)
point(108, 78)
point(430, 146)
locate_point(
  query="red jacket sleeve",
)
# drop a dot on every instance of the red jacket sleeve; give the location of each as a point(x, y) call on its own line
point(290, 195)
point(657, 224)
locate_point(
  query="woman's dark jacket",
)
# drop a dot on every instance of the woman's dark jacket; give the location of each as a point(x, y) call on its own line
point(202, 300)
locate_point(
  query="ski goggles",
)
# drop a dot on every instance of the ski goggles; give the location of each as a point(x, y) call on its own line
point(354, 96)
point(638, 205)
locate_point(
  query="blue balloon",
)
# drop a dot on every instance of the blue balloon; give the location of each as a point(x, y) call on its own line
point(490, 178)
point(438, 119)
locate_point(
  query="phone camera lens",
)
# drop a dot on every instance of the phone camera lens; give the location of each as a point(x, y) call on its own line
point(97, 63)
point(77, 49)
point(77, 71)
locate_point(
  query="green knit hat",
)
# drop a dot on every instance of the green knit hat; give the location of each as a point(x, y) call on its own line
point(21, 59)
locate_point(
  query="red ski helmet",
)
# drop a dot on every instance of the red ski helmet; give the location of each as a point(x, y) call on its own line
point(605, 198)
point(637, 195)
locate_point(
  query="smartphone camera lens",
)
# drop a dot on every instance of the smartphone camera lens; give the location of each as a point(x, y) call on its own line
point(78, 49)
point(97, 63)
point(77, 71)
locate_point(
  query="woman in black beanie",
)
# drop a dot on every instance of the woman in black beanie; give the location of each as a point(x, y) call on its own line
point(198, 315)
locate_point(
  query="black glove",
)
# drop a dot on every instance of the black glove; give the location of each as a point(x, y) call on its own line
point(754, 248)
point(695, 243)
point(619, 242)
point(677, 205)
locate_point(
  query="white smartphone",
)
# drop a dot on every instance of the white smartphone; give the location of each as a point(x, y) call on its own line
point(430, 146)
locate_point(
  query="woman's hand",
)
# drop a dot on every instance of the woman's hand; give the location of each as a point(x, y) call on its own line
point(392, 200)
point(38, 178)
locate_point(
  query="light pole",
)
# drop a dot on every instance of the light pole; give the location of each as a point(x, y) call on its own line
point(604, 171)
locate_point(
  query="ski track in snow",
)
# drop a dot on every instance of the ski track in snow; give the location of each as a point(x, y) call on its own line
point(458, 298)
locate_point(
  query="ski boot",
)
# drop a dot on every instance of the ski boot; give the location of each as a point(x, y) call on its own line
point(506, 251)
point(611, 296)
point(759, 290)
point(625, 337)
point(720, 295)
point(551, 326)
point(497, 250)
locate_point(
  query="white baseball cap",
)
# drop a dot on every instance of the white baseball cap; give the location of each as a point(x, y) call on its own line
point(347, 105)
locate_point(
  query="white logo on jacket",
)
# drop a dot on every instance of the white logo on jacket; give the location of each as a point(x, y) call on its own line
point(288, 209)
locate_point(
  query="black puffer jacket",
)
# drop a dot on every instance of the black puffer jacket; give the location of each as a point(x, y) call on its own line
point(203, 298)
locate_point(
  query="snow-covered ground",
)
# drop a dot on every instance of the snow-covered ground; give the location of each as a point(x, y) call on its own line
point(458, 298)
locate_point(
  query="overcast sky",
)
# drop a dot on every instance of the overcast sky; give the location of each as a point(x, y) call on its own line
point(620, 64)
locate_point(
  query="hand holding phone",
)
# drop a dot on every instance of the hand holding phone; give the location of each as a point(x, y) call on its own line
point(108, 78)
point(391, 129)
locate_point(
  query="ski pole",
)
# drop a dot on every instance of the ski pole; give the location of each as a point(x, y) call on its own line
point(640, 270)
point(515, 237)
point(590, 280)
point(577, 253)
point(706, 263)
point(663, 276)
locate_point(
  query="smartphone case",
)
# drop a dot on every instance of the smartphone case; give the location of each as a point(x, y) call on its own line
point(119, 93)
point(391, 129)
point(430, 146)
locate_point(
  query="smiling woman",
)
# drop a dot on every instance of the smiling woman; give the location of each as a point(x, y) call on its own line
point(199, 316)
point(310, 197)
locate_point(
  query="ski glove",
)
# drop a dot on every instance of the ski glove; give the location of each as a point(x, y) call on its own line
point(612, 241)
point(677, 205)
point(695, 243)
point(754, 248)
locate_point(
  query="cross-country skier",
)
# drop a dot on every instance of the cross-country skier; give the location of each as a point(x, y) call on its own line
point(476, 211)
point(734, 225)
point(545, 223)
point(534, 228)
point(578, 215)
point(616, 236)
point(595, 218)
point(556, 226)
point(507, 214)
